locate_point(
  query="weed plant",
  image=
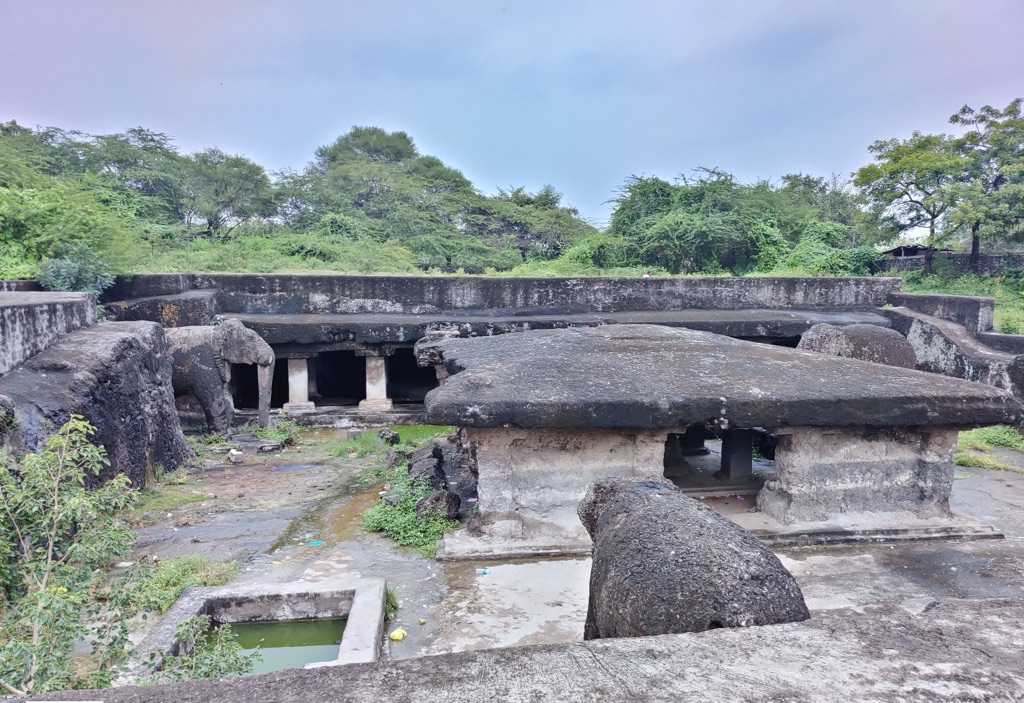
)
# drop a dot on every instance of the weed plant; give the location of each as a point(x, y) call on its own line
point(215, 653)
point(283, 430)
point(399, 521)
point(974, 447)
point(156, 587)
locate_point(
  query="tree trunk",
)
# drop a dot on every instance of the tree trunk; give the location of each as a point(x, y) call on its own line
point(975, 259)
point(928, 254)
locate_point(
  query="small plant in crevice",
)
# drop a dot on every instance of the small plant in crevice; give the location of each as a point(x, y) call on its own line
point(390, 604)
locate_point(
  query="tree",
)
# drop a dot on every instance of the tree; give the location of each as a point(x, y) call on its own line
point(227, 190)
point(369, 143)
point(910, 185)
point(54, 534)
point(990, 196)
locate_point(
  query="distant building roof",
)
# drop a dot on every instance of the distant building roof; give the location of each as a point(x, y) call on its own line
point(913, 250)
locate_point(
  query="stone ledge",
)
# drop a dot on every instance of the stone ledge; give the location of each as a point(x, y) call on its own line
point(963, 650)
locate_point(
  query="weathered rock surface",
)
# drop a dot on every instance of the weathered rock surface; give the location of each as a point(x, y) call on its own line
point(646, 376)
point(427, 465)
point(665, 564)
point(864, 342)
point(32, 321)
point(118, 376)
point(388, 436)
point(439, 504)
point(957, 650)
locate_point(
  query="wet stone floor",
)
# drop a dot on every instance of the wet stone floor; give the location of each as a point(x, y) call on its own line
point(266, 516)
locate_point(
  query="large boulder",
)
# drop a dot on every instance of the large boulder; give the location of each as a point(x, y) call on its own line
point(865, 342)
point(118, 376)
point(665, 563)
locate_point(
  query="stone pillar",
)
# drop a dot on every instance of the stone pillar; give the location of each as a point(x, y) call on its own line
point(825, 472)
point(376, 385)
point(298, 387)
point(737, 455)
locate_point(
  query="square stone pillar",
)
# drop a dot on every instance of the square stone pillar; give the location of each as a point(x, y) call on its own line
point(737, 455)
point(823, 473)
point(298, 387)
point(376, 385)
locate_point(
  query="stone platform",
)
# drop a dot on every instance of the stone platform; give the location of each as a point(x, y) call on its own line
point(551, 411)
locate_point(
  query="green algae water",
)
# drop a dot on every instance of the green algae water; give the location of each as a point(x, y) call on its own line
point(290, 644)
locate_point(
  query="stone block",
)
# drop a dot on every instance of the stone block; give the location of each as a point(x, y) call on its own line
point(864, 342)
point(665, 563)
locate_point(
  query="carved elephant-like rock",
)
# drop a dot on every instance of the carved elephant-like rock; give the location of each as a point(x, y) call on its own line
point(202, 358)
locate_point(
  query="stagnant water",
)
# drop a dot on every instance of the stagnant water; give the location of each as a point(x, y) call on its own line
point(290, 644)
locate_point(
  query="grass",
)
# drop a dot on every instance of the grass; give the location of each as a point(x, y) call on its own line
point(283, 430)
point(155, 501)
point(367, 443)
point(390, 604)
point(156, 587)
point(1006, 289)
point(974, 447)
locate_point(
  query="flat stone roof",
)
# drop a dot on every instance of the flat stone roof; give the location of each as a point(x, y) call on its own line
point(648, 376)
point(408, 327)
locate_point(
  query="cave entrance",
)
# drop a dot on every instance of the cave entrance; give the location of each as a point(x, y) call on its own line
point(339, 378)
point(408, 383)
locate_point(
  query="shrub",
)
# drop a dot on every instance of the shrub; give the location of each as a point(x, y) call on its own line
point(75, 268)
point(54, 537)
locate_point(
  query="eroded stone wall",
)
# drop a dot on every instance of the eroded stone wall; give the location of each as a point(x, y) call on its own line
point(30, 322)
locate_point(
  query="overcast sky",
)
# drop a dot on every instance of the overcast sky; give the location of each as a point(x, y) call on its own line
point(576, 93)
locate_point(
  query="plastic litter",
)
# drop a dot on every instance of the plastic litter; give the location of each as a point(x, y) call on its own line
point(471, 500)
point(316, 543)
point(482, 571)
point(398, 635)
point(422, 621)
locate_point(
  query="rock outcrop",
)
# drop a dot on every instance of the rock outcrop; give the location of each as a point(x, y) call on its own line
point(864, 342)
point(118, 376)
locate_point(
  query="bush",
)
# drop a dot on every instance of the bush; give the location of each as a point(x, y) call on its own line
point(75, 268)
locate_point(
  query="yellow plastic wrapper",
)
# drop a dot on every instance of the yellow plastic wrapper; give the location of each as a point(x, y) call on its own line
point(398, 635)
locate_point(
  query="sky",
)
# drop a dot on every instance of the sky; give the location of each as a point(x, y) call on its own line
point(580, 94)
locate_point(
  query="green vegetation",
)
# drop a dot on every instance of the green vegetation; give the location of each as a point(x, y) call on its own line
point(1007, 288)
point(156, 587)
point(75, 208)
point(974, 447)
point(154, 501)
point(390, 604)
point(55, 539)
point(399, 521)
point(283, 430)
point(215, 653)
point(56, 542)
point(396, 517)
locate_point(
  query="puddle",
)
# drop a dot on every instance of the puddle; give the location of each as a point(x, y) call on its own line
point(290, 644)
point(342, 522)
point(332, 520)
point(294, 467)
